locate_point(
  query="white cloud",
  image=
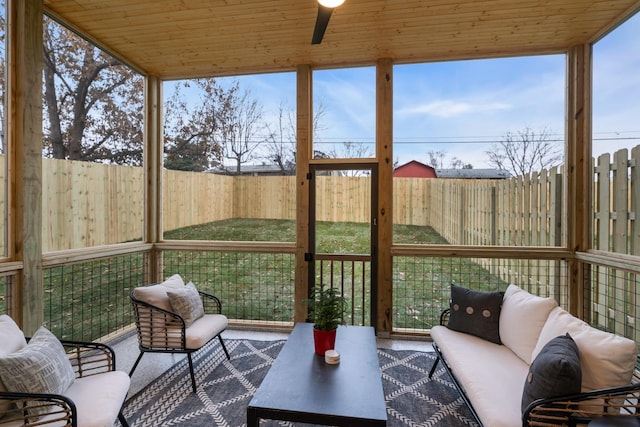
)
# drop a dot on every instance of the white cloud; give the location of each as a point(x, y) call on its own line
point(451, 108)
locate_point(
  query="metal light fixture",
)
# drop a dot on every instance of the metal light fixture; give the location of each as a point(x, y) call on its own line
point(331, 3)
point(325, 8)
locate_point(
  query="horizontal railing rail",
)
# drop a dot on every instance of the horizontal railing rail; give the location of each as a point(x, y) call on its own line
point(87, 299)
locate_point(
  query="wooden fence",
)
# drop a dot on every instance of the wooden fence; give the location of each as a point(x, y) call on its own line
point(89, 204)
point(522, 211)
point(615, 293)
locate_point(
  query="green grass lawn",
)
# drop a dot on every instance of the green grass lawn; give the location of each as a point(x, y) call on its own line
point(421, 285)
point(90, 299)
point(332, 237)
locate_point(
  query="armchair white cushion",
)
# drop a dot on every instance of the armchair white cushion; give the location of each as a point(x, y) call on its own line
point(99, 409)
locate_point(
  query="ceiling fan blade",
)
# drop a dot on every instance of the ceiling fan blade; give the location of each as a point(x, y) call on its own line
point(324, 13)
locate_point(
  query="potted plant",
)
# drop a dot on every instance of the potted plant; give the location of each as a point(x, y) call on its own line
point(326, 310)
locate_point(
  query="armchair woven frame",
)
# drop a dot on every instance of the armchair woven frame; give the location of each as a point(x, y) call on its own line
point(163, 331)
point(87, 358)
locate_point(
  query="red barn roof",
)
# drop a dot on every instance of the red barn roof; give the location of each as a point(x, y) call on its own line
point(414, 169)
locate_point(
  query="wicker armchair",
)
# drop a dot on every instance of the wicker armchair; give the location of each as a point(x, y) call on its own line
point(95, 397)
point(161, 330)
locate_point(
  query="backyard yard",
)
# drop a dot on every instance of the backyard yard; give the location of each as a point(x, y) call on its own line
point(253, 286)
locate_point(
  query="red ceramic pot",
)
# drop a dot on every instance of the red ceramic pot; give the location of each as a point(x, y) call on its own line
point(324, 340)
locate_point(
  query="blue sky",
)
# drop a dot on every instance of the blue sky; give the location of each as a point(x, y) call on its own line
point(459, 107)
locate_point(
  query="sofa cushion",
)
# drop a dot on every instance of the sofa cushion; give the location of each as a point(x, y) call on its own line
point(491, 374)
point(522, 317)
point(476, 313)
point(607, 360)
point(41, 366)
point(187, 303)
point(156, 295)
point(554, 372)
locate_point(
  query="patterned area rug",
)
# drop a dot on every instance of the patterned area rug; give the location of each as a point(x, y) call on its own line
point(225, 388)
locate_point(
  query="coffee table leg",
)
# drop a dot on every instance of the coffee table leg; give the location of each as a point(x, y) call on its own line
point(252, 418)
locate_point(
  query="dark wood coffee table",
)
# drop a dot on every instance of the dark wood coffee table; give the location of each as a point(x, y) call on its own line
point(301, 387)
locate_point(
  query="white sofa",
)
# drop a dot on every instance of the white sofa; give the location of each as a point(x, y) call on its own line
point(492, 376)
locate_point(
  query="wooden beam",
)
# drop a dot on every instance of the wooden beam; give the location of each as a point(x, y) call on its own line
point(153, 155)
point(25, 165)
point(579, 172)
point(304, 149)
point(384, 155)
point(624, 15)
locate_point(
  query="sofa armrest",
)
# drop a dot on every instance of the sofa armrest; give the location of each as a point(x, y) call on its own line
point(444, 317)
point(90, 358)
point(583, 407)
point(61, 411)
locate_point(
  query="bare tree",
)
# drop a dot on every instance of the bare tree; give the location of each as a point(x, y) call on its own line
point(282, 136)
point(93, 102)
point(239, 123)
point(525, 151)
point(353, 150)
point(456, 163)
point(281, 140)
point(436, 158)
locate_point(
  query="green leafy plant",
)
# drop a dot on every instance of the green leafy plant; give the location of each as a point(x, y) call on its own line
point(326, 308)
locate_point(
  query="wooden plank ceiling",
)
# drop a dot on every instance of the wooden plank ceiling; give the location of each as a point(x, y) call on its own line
point(194, 38)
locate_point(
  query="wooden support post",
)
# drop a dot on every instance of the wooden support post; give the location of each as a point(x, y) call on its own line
point(384, 155)
point(303, 155)
point(153, 155)
point(579, 173)
point(25, 159)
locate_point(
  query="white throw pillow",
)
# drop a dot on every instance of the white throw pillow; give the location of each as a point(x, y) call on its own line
point(42, 366)
point(607, 360)
point(11, 337)
point(11, 340)
point(174, 281)
point(156, 295)
point(521, 319)
point(187, 303)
